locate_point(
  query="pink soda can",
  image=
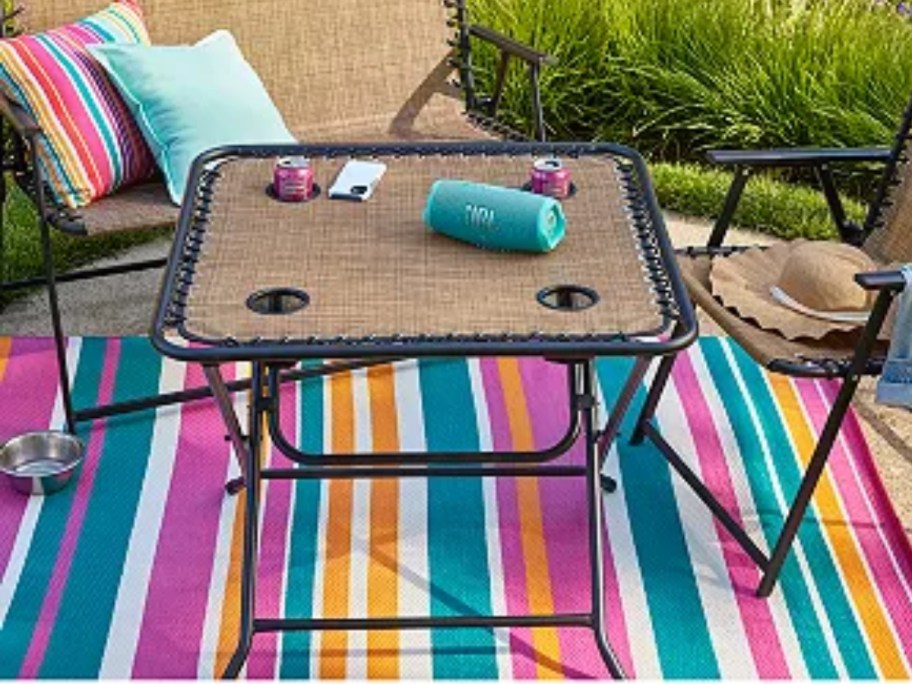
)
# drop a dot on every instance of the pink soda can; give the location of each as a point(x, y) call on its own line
point(293, 179)
point(550, 177)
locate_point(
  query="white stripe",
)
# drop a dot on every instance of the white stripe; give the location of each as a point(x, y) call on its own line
point(221, 562)
point(782, 502)
point(723, 618)
point(635, 607)
point(414, 569)
point(785, 628)
point(850, 457)
point(492, 524)
point(356, 664)
point(26, 532)
point(126, 621)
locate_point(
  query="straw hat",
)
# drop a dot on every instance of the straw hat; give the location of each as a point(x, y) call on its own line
point(801, 289)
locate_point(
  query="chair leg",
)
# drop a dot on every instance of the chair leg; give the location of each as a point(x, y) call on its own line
point(809, 482)
point(251, 530)
point(742, 174)
point(59, 340)
point(652, 399)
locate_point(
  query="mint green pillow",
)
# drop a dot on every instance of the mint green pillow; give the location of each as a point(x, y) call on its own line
point(190, 98)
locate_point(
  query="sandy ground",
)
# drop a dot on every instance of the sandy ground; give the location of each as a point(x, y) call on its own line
point(123, 305)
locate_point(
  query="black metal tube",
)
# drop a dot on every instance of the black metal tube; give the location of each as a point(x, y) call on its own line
point(251, 529)
point(196, 393)
point(499, 83)
point(380, 472)
point(407, 623)
point(742, 173)
point(837, 211)
point(825, 442)
point(656, 389)
point(707, 497)
point(54, 304)
point(86, 274)
point(537, 109)
point(882, 280)
point(607, 436)
point(594, 499)
point(410, 458)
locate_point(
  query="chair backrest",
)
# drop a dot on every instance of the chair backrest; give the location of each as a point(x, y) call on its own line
point(889, 220)
point(323, 61)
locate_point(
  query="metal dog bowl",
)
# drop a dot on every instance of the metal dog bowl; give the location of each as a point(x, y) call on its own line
point(41, 462)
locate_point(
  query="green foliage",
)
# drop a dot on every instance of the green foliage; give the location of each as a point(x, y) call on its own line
point(675, 77)
point(672, 78)
point(782, 209)
point(22, 256)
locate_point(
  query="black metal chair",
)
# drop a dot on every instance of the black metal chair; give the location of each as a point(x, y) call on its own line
point(413, 95)
point(886, 236)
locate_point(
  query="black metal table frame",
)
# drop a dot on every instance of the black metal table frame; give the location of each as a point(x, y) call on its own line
point(272, 359)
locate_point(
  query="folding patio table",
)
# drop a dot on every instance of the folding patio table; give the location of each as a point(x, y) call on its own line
point(251, 278)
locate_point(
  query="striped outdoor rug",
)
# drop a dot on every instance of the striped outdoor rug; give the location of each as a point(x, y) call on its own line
point(134, 571)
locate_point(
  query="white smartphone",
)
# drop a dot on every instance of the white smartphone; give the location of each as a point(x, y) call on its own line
point(357, 180)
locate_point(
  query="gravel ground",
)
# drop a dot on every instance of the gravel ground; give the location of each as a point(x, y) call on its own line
point(122, 305)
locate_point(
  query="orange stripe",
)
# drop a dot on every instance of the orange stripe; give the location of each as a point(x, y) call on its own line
point(6, 346)
point(383, 570)
point(538, 578)
point(337, 564)
point(854, 572)
point(231, 608)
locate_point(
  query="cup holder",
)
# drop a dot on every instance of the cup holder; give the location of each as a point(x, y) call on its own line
point(568, 297)
point(278, 301)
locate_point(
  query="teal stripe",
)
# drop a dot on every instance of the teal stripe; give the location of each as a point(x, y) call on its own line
point(305, 532)
point(457, 553)
point(796, 592)
point(100, 119)
point(94, 579)
point(117, 17)
point(55, 510)
point(822, 565)
point(100, 26)
point(662, 554)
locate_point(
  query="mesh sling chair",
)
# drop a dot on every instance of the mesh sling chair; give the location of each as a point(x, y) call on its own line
point(886, 236)
point(344, 70)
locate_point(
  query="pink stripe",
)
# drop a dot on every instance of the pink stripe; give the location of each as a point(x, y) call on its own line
point(69, 105)
point(508, 508)
point(765, 644)
point(84, 485)
point(27, 396)
point(179, 582)
point(566, 528)
point(868, 523)
point(276, 518)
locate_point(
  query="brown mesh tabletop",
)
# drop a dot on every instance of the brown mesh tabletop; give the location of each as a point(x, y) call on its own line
point(252, 278)
point(370, 278)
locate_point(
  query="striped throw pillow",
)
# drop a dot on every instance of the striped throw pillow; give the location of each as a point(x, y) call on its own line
point(91, 145)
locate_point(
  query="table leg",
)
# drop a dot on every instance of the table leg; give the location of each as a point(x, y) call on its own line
point(594, 499)
point(606, 436)
point(229, 416)
point(251, 529)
